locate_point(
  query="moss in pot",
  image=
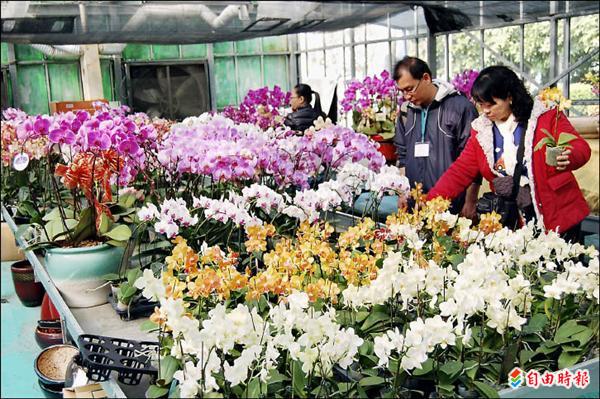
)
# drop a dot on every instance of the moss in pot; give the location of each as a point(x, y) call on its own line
point(554, 148)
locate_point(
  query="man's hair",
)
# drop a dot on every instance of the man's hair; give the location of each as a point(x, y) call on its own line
point(415, 66)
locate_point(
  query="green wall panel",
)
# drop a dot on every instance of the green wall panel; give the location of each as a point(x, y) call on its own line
point(107, 89)
point(165, 51)
point(64, 82)
point(136, 52)
point(24, 52)
point(32, 90)
point(275, 70)
point(250, 46)
point(193, 50)
point(225, 84)
point(4, 53)
point(223, 48)
point(274, 43)
point(248, 74)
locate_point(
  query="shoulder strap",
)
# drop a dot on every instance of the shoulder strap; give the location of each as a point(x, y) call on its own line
point(519, 165)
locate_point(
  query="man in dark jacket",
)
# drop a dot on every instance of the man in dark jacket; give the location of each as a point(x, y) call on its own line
point(433, 131)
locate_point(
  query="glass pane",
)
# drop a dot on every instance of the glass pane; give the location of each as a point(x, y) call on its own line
point(225, 83)
point(464, 53)
point(423, 49)
point(359, 59)
point(24, 52)
point(4, 53)
point(107, 86)
point(411, 47)
point(302, 41)
point(223, 48)
point(316, 64)
point(136, 52)
point(250, 46)
point(276, 71)
point(403, 23)
point(378, 30)
point(164, 52)
point(504, 41)
point(440, 56)
point(335, 63)
point(378, 57)
point(248, 75)
point(584, 86)
point(347, 62)
point(274, 43)
point(193, 50)
point(314, 40)
point(334, 38)
point(31, 89)
point(537, 51)
point(584, 39)
point(64, 82)
point(400, 49)
point(359, 34)
point(303, 67)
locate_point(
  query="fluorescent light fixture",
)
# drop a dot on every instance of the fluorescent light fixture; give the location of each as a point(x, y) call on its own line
point(265, 24)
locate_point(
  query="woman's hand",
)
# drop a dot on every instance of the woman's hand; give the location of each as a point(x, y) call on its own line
point(563, 160)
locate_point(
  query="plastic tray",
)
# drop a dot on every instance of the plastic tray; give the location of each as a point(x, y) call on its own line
point(130, 359)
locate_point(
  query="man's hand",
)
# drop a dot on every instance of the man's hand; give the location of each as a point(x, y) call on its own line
point(562, 161)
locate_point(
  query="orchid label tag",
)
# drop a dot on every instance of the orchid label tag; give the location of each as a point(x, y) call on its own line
point(21, 161)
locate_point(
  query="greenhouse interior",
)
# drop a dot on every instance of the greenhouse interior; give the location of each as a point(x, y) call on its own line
point(300, 199)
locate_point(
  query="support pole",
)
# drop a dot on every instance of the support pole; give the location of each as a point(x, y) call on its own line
point(91, 75)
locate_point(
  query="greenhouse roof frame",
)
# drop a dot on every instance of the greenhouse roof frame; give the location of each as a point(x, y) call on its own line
point(162, 22)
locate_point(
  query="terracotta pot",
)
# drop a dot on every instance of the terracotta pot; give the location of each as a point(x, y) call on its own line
point(48, 311)
point(46, 337)
point(29, 292)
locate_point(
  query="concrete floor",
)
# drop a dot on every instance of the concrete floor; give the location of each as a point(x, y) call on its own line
point(19, 348)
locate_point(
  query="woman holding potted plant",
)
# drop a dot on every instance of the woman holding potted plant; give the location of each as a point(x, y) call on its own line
point(509, 140)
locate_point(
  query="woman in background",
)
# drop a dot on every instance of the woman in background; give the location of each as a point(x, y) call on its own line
point(303, 115)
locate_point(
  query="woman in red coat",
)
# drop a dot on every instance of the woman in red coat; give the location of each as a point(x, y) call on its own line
point(549, 194)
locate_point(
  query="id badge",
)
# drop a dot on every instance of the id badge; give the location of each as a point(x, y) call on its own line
point(421, 150)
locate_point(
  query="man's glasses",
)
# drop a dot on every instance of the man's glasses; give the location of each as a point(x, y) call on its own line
point(412, 91)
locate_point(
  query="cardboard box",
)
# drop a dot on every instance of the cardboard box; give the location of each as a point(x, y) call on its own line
point(85, 391)
point(66, 106)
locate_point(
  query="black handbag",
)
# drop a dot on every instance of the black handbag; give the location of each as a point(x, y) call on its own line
point(505, 206)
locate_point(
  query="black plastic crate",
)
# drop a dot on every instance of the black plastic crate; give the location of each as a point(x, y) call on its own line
point(130, 359)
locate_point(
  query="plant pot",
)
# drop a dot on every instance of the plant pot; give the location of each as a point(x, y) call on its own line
point(551, 154)
point(48, 311)
point(77, 273)
point(50, 364)
point(46, 337)
point(386, 148)
point(51, 390)
point(29, 291)
point(9, 250)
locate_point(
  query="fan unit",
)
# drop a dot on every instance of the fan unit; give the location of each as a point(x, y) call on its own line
point(173, 91)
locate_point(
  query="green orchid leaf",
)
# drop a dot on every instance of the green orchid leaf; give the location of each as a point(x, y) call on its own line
point(565, 138)
point(119, 233)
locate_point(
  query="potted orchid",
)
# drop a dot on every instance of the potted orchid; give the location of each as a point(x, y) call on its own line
point(554, 142)
point(89, 155)
point(262, 107)
point(374, 104)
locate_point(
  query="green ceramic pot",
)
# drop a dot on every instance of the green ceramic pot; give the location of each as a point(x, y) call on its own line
point(77, 273)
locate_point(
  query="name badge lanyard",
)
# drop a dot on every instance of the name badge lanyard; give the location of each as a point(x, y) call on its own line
point(424, 123)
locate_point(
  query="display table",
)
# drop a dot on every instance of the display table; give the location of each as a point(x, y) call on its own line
point(101, 320)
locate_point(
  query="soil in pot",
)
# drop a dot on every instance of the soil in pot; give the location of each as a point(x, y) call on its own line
point(51, 364)
point(29, 291)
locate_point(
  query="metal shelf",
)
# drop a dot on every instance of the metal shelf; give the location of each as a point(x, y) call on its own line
point(101, 320)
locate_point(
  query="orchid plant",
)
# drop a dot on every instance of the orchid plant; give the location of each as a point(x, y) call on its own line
point(374, 104)
point(261, 107)
point(463, 82)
